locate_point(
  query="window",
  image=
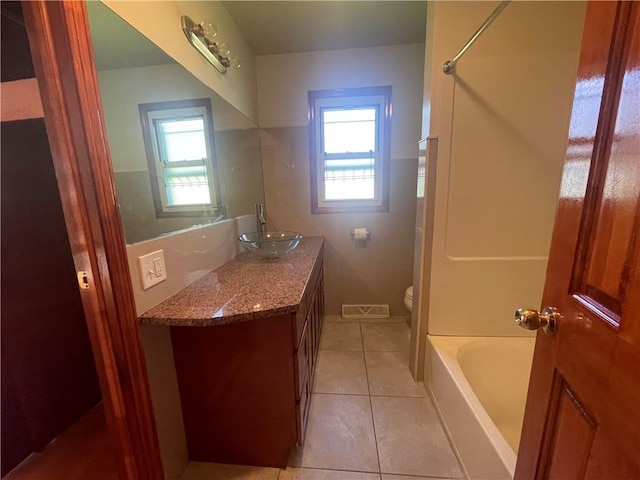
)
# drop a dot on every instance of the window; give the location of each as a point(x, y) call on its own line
point(178, 141)
point(349, 131)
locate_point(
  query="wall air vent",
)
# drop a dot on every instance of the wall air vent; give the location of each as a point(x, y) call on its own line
point(365, 311)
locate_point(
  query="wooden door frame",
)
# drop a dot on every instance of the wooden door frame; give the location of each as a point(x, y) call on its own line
point(63, 59)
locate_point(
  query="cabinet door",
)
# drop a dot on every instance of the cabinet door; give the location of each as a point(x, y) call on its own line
point(237, 391)
point(302, 358)
point(316, 313)
point(302, 404)
point(319, 305)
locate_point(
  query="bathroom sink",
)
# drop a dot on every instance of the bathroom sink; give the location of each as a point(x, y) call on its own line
point(270, 244)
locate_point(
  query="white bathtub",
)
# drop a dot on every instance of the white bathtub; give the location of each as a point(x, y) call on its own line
point(479, 386)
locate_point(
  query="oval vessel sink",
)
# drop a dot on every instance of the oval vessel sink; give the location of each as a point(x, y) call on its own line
point(271, 244)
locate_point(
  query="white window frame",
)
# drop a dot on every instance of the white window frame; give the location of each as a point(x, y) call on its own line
point(345, 99)
point(150, 114)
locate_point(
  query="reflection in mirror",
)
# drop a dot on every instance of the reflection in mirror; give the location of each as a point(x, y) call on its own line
point(182, 166)
point(133, 72)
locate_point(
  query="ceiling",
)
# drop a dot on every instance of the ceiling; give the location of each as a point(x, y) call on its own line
point(273, 27)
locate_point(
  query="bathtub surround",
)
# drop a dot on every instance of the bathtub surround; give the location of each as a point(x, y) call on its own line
point(498, 128)
point(506, 110)
point(379, 272)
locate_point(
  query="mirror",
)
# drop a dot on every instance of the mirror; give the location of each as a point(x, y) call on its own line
point(132, 71)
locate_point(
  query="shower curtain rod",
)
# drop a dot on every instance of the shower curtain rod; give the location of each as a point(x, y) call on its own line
point(449, 66)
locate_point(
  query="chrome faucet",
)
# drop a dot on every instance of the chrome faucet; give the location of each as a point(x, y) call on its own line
point(260, 220)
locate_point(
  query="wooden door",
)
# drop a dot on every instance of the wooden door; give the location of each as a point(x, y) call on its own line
point(62, 54)
point(582, 417)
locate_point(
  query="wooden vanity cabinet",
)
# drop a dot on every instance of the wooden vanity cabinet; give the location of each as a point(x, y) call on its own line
point(307, 351)
point(245, 387)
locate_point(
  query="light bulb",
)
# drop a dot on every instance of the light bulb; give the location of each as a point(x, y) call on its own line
point(208, 29)
point(234, 63)
point(223, 49)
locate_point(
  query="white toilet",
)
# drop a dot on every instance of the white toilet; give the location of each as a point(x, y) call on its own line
point(408, 298)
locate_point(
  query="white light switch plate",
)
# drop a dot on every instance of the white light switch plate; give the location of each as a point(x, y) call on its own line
point(152, 269)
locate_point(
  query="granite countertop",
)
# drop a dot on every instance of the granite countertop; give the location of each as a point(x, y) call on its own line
point(245, 288)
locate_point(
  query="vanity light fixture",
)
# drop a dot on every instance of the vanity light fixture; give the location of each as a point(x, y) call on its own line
point(200, 35)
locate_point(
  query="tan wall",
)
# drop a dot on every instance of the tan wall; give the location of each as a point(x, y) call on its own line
point(381, 271)
point(161, 25)
point(428, 66)
point(502, 124)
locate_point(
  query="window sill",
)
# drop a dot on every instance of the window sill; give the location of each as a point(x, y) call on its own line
point(350, 209)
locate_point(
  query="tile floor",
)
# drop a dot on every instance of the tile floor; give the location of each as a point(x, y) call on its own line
point(368, 419)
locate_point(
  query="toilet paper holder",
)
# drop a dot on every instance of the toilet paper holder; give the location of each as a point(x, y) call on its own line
point(359, 232)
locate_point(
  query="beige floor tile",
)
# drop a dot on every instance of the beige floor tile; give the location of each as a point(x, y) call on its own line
point(386, 337)
point(293, 473)
point(340, 434)
point(341, 372)
point(341, 336)
point(411, 440)
point(392, 319)
point(388, 374)
point(386, 476)
point(219, 471)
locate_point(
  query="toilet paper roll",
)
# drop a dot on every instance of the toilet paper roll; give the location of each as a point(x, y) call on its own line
point(360, 233)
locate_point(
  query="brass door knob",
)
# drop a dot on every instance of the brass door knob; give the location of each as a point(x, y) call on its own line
point(532, 319)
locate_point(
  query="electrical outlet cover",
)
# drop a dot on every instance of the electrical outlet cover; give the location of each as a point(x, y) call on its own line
point(152, 269)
